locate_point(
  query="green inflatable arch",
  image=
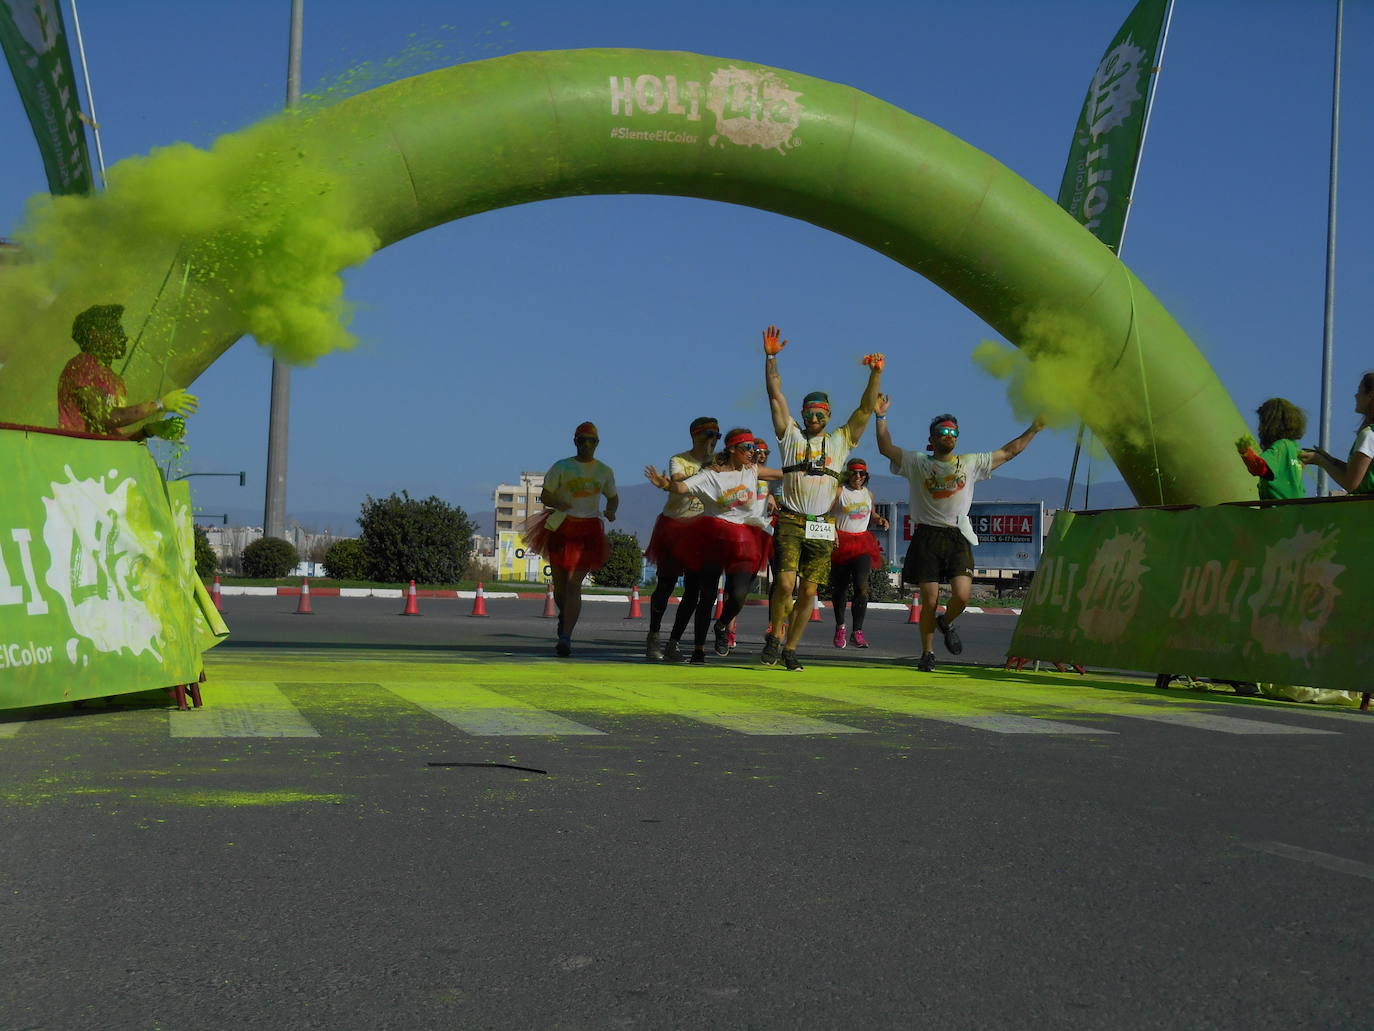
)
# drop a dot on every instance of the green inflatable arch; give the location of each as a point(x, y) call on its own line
point(535, 126)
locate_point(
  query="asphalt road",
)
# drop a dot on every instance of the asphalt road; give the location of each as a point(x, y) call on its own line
point(1182, 862)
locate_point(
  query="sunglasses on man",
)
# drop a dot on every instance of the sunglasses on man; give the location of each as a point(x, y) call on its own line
point(586, 440)
point(946, 431)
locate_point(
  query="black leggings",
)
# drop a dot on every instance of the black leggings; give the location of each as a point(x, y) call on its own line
point(855, 572)
point(663, 592)
point(736, 594)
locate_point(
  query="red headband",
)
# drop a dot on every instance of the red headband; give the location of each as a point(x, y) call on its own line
point(740, 437)
point(947, 422)
point(823, 406)
point(858, 465)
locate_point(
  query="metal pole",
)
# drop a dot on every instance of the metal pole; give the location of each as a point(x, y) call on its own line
point(1130, 199)
point(274, 503)
point(90, 97)
point(1329, 316)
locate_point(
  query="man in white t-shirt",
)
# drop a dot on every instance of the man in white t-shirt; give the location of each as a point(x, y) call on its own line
point(941, 548)
point(812, 462)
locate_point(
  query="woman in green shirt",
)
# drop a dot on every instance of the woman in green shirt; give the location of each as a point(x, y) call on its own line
point(1355, 474)
point(1281, 423)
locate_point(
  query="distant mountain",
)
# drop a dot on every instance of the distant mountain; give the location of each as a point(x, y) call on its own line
point(640, 503)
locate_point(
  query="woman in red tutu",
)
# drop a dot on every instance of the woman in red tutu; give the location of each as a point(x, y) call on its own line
point(568, 533)
point(856, 550)
point(736, 541)
point(675, 545)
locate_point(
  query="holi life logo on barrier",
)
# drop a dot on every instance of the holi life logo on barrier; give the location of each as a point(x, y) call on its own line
point(750, 108)
point(1111, 589)
point(98, 557)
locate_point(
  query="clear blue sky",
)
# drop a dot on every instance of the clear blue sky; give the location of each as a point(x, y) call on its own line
point(484, 341)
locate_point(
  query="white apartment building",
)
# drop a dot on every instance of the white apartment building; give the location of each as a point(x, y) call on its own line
point(516, 502)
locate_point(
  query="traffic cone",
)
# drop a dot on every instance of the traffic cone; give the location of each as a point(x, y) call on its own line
point(720, 603)
point(635, 613)
point(412, 601)
point(214, 596)
point(303, 606)
point(479, 603)
point(914, 616)
point(550, 612)
point(816, 610)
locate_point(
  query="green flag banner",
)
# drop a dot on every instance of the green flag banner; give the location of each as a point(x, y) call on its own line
point(1278, 593)
point(1106, 140)
point(98, 592)
point(35, 44)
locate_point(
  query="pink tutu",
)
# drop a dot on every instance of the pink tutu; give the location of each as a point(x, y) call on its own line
point(677, 542)
point(849, 546)
point(736, 547)
point(579, 544)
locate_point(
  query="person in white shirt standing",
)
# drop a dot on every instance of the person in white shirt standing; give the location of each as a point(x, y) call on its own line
point(941, 493)
point(856, 552)
point(811, 461)
point(568, 533)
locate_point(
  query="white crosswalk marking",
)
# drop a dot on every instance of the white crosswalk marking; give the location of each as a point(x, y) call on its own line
point(1009, 723)
point(242, 709)
point(481, 712)
point(718, 711)
point(1220, 724)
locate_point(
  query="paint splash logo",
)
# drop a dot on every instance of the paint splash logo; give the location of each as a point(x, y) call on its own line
point(99, 555)
point(37, 21)
point(1111, 592)
point(1297, 594)
point(1115, 88)
point(753, 109)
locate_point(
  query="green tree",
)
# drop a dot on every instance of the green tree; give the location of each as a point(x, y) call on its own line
point(207, 561)
point(626, 564)
point(346, 560)
point(428, 541)
point(269, 558)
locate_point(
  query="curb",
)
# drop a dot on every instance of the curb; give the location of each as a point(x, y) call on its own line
point(621, 599)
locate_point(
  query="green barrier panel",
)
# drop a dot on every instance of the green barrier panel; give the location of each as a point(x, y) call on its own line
point(535, 126)
point(1273, 594)
point(97, 580)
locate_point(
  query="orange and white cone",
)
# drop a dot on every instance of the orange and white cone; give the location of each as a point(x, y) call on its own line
point(550, 610)
point(214, 596)
point(914, 616)
point(479, 603)
point(635, 612)
point(412, 601)
point(303, 606)
point(816, 610)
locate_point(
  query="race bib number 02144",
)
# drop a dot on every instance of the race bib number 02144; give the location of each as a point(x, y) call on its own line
point(818, 529)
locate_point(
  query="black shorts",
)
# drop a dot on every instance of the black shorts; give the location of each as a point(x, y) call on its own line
point(937, 554)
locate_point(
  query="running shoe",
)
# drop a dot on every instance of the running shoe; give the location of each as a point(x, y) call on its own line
point(859, 640)
point(791, 662)
point(652, 651)
point(840, 639)
point(722, 640)
point(927, 663)
point(672, 651)
point(563, 648)
point(952, 641)
point(772, 649)
point(698, 657)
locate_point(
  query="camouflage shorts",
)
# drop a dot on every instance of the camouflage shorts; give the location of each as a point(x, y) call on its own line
point(809, 559)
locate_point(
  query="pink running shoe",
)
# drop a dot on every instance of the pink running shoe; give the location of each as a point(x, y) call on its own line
point(840, 640)
point(859, 640)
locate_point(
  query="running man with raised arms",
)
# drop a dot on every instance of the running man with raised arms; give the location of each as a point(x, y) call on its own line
point(941, 494)
point(812, 463)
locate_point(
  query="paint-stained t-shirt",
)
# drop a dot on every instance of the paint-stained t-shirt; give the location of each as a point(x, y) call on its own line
point(582, 483)
point(853, 510)
point(729, 494)
point(807, 493)
point(86, 370)
point(942, 492)
point(682, 506)
point(1282, 459)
